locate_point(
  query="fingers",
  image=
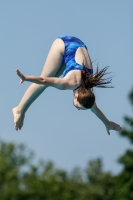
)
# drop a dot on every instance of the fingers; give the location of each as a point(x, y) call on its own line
point(113, 126)
point(18, 73)
point(21, 81)
point(117, 127)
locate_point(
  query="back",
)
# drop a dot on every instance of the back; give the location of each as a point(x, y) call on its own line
point(72, 45)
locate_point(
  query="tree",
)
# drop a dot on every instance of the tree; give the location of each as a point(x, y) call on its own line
point(12, 159)
point(101, 184)
point(20, 179)
point(125, 178)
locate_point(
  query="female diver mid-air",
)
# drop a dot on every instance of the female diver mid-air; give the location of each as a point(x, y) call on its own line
point(68, 67)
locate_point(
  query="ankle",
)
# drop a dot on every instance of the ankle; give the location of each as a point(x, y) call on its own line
point(18, 110)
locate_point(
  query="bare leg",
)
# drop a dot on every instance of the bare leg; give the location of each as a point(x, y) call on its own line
point(51, 67)
point(59, 73)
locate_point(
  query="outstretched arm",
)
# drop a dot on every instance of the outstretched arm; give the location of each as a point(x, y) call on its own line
point(109, 124)
point(58, 83)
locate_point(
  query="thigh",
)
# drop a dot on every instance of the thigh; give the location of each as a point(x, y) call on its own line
point(61, 70)
point(54, 59)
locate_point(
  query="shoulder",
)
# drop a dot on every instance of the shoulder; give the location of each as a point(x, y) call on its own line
point(73, 79)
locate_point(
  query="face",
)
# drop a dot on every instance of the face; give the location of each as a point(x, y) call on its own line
point(77, 104)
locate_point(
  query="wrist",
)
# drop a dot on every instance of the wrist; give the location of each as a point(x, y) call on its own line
point(107, 122)
point(25, 78)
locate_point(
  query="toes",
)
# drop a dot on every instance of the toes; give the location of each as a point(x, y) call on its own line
point(16, 125)
point(21, 122)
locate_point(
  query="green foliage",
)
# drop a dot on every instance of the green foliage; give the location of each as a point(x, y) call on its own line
point(128, 130)
point(131, 96)
point(21, 180)
point(125, 178)
point(11, 160)
point(100, 183)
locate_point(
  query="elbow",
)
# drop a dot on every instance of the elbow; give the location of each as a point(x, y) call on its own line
point(42, 80)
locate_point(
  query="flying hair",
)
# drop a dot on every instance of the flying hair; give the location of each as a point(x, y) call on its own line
point(97, 79)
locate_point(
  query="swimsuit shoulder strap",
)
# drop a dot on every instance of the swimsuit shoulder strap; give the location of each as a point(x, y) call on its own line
point(78, 87)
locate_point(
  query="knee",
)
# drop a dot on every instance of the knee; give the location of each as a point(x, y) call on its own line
point(59, 45)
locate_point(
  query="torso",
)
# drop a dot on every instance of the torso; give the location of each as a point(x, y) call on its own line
point(82, 57)
point(75, 57)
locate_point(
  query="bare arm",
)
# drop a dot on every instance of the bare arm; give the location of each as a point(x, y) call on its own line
point(59, 83)
point(109, 124)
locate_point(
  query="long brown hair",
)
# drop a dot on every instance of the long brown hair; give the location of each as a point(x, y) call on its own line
point(86, 96)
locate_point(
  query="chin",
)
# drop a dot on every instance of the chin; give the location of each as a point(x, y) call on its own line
point(74, 103)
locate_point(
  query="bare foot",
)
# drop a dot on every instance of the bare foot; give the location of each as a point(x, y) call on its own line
point(18, 117)
point(21, 122)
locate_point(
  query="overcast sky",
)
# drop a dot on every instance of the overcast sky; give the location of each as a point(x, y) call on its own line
point(53, 128)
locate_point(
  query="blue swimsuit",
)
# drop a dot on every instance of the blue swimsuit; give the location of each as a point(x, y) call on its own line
point(71, 46)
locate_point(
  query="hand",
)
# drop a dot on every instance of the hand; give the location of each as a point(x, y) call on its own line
point(112, 126)
point(22, 77)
